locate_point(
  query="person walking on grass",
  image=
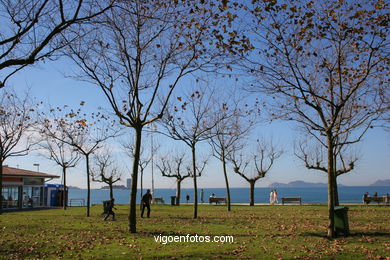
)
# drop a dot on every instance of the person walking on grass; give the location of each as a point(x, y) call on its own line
point(146, 199)
point(110, 206)
point(187, 198)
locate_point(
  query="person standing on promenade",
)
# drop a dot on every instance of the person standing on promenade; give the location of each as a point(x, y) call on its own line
point(271, 197)
point(276, 197)
point(146, 199)
point(365, 198)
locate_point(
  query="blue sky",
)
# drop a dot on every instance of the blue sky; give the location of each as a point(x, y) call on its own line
point(48, 84)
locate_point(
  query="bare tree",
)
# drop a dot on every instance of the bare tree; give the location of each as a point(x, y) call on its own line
point(174, 167)
point(31, 30)
point(86, 135)
point(63, 155)
point(16, 119)
point(229, 132)
point(259, 163)
point(192, 121)
point(106, 171)
point(325, 64)
point(138, 53)
point(344, 160)
point(144, 161)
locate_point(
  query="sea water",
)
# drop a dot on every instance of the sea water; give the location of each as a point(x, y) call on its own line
point(347, 194)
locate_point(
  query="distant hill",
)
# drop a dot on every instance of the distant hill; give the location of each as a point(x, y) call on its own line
point(381, 183)
point(115, 187)
point(296, 184)
point(74, 187)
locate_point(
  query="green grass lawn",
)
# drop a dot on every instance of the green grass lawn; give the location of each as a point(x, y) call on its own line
point(260, 231)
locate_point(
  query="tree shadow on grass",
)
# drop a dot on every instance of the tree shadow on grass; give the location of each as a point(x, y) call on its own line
point(203, 218)
point(322, 234)
point(370, 234)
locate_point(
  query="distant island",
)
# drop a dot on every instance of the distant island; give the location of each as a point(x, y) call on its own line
point(116, 187)
point(298, 184)
point(381, 183)
point(73, 187)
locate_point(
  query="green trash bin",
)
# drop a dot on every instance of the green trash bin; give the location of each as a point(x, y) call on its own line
point(173, 200)
point(106, 203)
point(341, 224)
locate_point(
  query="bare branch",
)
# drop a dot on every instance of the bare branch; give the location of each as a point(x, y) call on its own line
point(262, 160)
point(35, 29)
point(16, 122)
point(106, 171)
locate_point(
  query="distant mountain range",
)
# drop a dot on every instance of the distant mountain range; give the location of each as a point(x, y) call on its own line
point(298, 184)
point(381, 183)
point(293, 184)
point(115, 187)
point(73, 187)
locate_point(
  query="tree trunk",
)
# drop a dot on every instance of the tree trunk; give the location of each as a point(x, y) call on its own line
point(336, 192)
point(226, 180)
point(252, 193)
point(111, 191)
point(88, 185)
point(195, 184)
point(64, 197)
point(331, 183)
point(134, 176)
point(178, 190)
point(1, 186)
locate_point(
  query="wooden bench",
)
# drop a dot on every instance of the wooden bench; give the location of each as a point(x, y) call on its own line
point(216, 200)
point(292, 199)
point(10, 204)
point(158, 200)
point(378, 200)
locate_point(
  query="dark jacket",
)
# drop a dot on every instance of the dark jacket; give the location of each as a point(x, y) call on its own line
point(146, 198)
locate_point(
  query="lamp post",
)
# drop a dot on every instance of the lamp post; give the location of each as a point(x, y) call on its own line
point(152, 127)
